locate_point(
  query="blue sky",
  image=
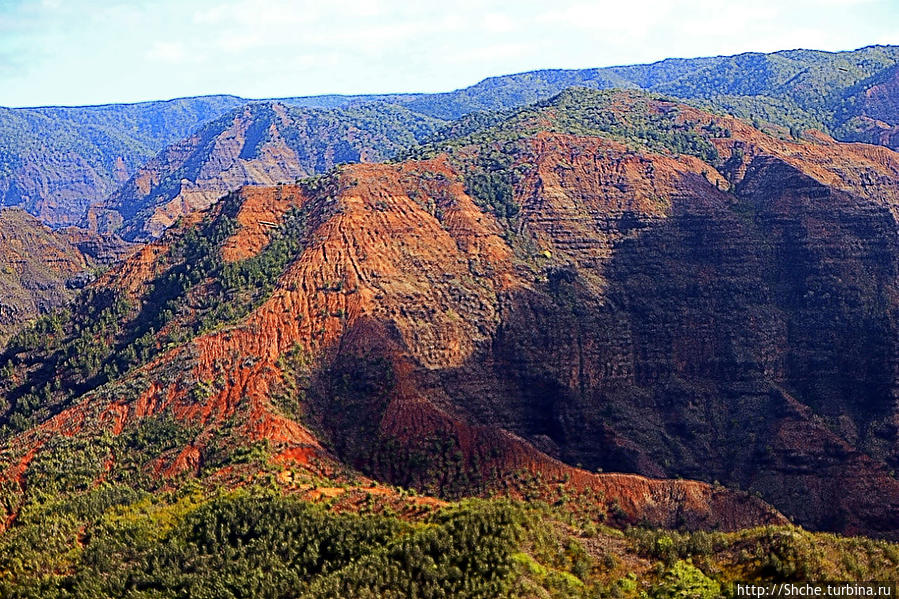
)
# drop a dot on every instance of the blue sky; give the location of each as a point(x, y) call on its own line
point(88, 51)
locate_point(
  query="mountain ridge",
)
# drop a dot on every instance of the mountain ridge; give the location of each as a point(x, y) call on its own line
point(799, 88)
point(609, 344)
point(276, 143)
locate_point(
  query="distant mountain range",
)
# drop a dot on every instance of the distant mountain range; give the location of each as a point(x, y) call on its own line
point(262, 143)
point(56, 162)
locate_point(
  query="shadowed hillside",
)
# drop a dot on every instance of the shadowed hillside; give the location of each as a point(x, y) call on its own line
point(40, 269)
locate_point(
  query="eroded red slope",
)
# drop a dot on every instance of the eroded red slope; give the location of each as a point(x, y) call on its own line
point(406, 272)
point(643, 312)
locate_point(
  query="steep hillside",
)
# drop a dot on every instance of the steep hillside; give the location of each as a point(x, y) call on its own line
point(722, 328)
point(607, 281)
point(263, 143)
point(211, 361)
point(40, 269)
point(56, 161)
point(876, 98)
point(871, 110)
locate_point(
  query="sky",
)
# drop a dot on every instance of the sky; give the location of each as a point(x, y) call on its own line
point(73, 52)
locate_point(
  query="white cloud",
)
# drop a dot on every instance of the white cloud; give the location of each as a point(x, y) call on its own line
point(493, 52)
point(259, 13)
point(845, 2)
point(499, 23)
point(172, 52)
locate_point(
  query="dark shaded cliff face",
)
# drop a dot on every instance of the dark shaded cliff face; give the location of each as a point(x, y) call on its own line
point(747, 338)
point(666, 292)
point(733, 325)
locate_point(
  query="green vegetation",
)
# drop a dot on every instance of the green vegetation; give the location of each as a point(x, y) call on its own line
point(634, 118)
point(771, 554)
point(112, 541)
point(493, 153)
point(201, 291)
point(683, 580)
point(252, 543)
point(65, 354)
point(59, 356)
point(73, 464)
point(586, 112)
point(800, 88)
point(491, 177)
point(379, 129)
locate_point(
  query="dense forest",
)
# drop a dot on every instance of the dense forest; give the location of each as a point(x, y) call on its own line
point(115, 541)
